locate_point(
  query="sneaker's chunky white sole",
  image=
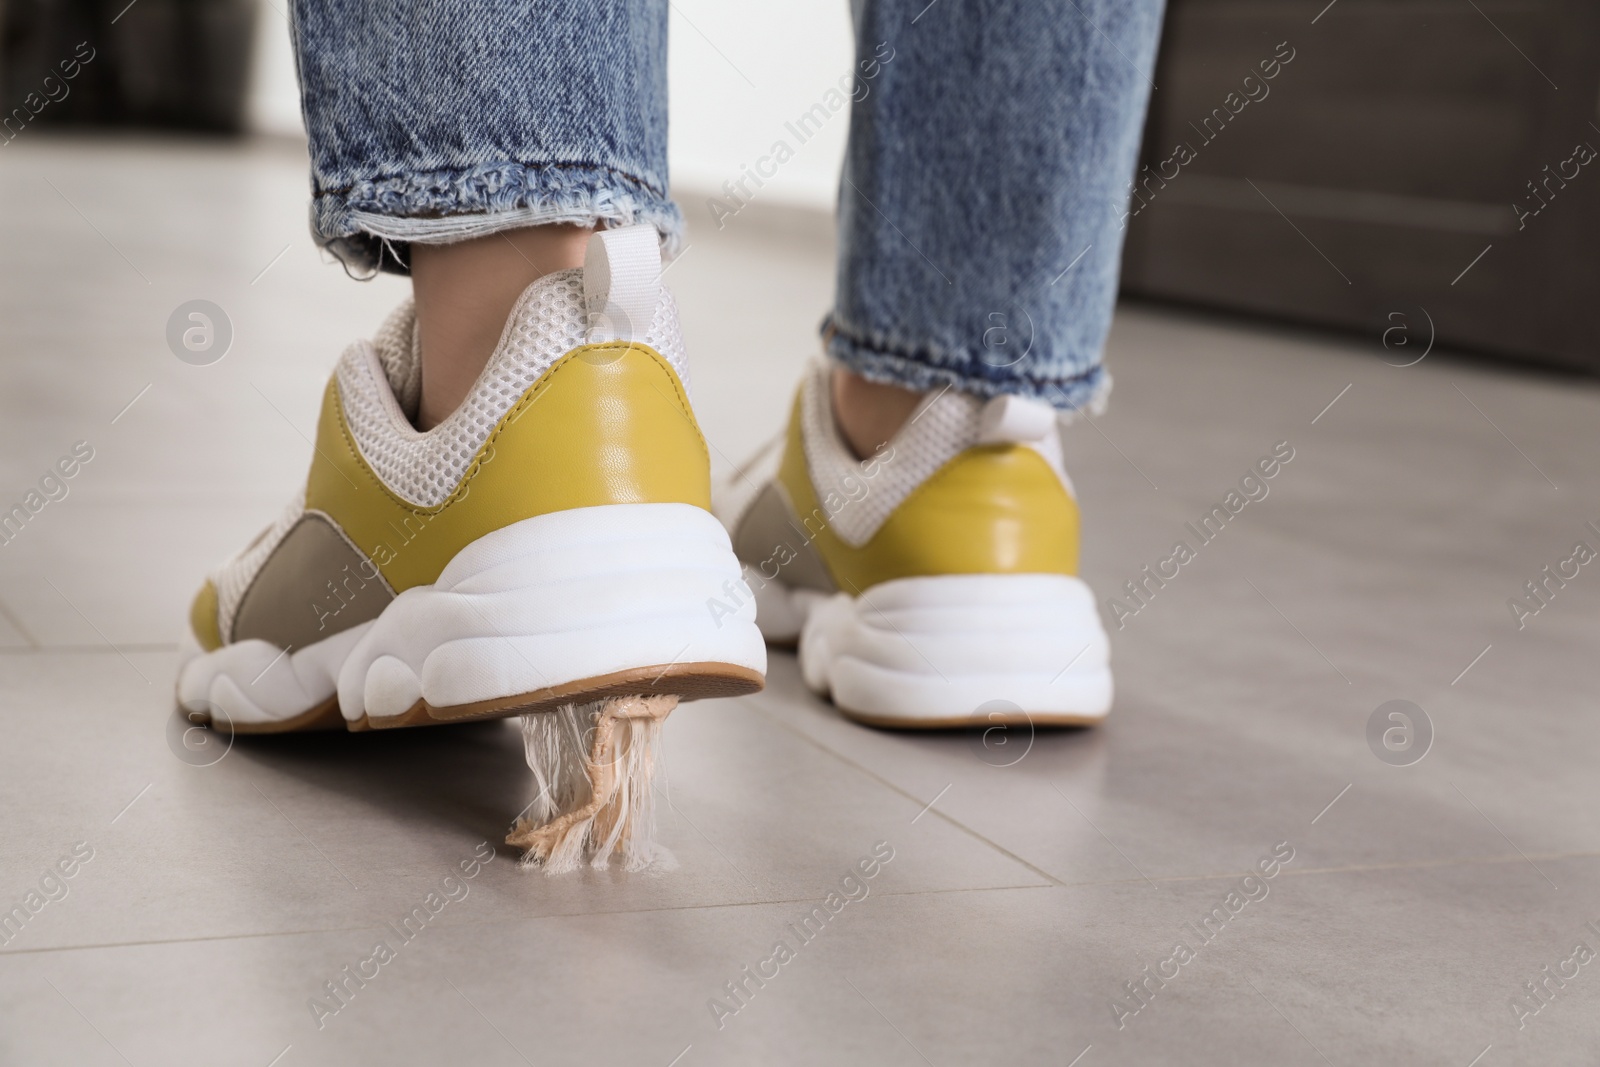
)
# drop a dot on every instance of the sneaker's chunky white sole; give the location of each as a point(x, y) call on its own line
point(951, 651)
point(563, 608)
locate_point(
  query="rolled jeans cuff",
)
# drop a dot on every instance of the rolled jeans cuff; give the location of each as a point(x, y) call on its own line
point(371, 224)
point(882, 359)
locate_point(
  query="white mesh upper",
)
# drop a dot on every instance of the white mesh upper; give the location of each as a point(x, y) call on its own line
point(425, 468)
point(401, 356)
point(944, 425)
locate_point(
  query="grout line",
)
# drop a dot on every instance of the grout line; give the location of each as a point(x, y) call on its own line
point(1222, 876)
point(778, 721)
point(1060, 883)
point(1502, 833)
point(97, 650)
point(1102, 834)
point(480, 923)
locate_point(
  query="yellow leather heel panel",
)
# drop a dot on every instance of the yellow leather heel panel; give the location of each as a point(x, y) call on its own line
point(993, 509)
point(203, 618)
point(607, 424)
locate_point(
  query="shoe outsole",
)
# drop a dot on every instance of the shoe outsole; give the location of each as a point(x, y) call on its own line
point(998, 641)
point(322, 717)
point(687, 681)
point(1024, 718)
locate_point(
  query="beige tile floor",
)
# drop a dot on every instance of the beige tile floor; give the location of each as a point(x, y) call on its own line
point(1030, 880)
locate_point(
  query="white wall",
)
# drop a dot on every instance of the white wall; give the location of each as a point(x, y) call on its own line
point(738, 72)
point(793, 53)
point(274, 95)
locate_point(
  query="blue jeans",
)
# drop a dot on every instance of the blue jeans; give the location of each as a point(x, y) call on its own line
point(981, 208)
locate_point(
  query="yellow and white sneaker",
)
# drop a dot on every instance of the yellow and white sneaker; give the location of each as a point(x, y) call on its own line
point(934, 584)
point(550, 543)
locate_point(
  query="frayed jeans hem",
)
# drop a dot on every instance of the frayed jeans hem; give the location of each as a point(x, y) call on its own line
point(882, 361)
point(370, 225)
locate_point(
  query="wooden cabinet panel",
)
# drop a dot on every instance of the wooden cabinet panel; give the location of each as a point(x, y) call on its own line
point(1403, 140)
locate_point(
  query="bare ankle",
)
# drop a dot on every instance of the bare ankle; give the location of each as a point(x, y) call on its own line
point(465, 292)
point(869, 413)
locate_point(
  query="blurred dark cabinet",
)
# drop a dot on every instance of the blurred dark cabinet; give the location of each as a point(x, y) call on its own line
point(171, 64)
point(1413, 154)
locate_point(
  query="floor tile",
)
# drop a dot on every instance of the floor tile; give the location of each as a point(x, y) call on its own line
point(276, 835)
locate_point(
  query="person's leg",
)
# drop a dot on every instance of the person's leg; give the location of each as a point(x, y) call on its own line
point(507, 510)
point(982, 203)
point(869, 412)
point(478, 145)
point(465, 290)
point(918, 534)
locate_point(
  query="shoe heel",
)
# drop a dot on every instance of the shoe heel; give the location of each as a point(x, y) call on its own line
point(931, 652)
point(565, 608)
